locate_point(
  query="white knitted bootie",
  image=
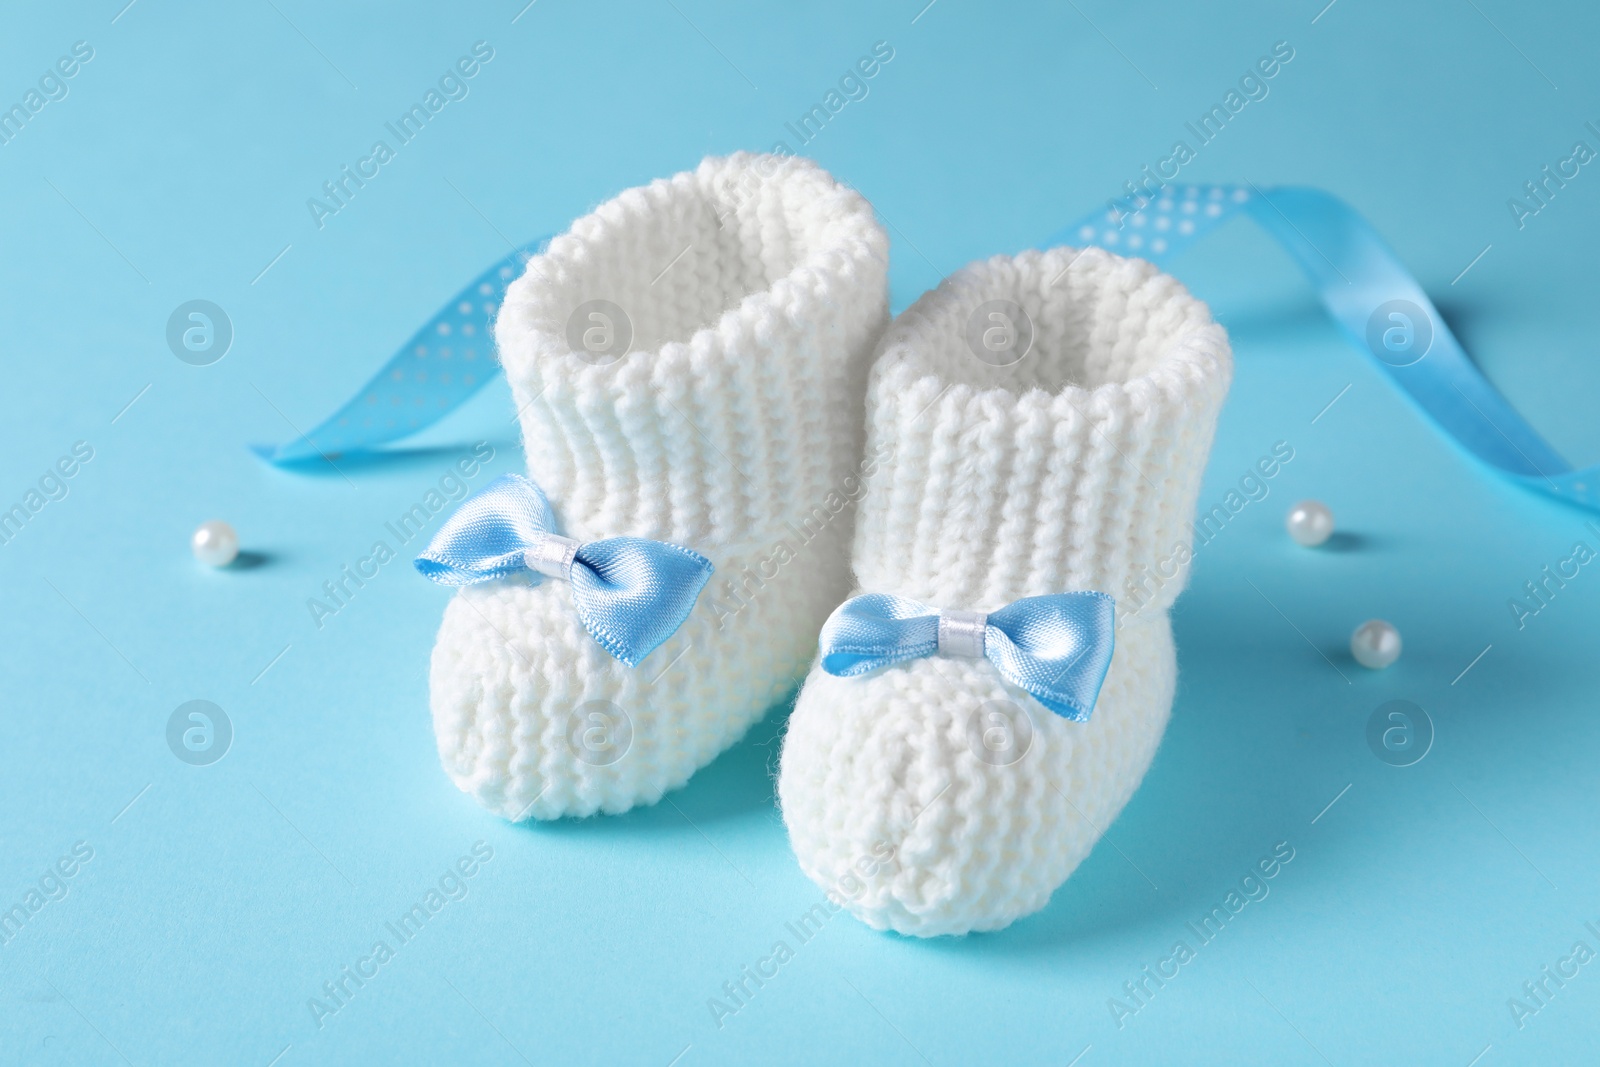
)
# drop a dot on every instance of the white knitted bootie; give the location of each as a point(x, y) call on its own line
point(1042, 425)
point(688, 363)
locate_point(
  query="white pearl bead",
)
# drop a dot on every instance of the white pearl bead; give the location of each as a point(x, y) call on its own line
point(1310, 523)
point(1375, 644)
point(215, 544)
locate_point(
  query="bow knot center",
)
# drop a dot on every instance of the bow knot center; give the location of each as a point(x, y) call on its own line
point(551, 555)
point(962, 633)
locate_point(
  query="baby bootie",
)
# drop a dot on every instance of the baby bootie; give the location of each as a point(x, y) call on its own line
point(688, 364)
point(1040, 425)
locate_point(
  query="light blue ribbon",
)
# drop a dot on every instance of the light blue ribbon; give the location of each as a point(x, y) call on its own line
point(1372, 297)
point(1361, 282)
point(1057, 647)
point(448, 360)
point(630, 593)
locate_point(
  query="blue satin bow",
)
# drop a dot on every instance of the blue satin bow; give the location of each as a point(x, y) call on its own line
point(1057, 647)
point(630, 593)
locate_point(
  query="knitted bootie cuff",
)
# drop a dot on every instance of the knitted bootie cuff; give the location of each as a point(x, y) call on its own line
point(1045, 421)
point(688, 358)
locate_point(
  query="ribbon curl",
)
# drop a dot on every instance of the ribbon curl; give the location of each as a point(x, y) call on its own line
point(441, 367)
point(1376, 302)
point(1364, 286)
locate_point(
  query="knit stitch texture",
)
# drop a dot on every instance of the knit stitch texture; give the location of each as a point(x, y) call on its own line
point(918, 796)
point(755, 290)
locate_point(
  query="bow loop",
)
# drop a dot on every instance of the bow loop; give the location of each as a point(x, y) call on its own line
point(630, 593)
point(1056, 647)
point(647, 588)
point(877, 630)
point(503, 528)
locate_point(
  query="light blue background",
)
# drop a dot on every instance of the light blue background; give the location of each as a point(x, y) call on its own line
point(224, 896)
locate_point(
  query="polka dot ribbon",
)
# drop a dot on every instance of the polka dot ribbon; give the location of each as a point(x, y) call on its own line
point(1372, 297)
point(448, 360)
point(1361, 282)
